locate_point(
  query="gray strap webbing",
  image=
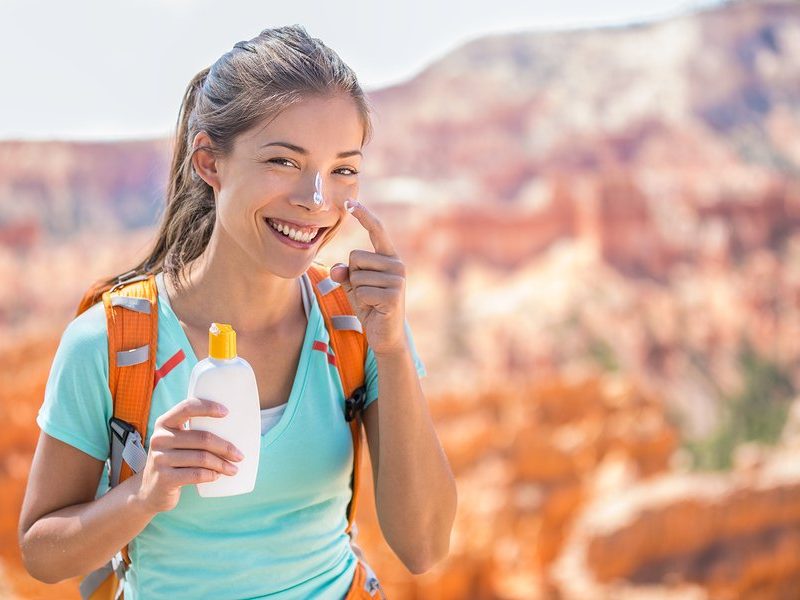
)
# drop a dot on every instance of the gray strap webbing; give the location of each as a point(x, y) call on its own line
point(327, 285)
point(128, 358)
point(353, 535)
point(93, 580)
point(118, 564)
point(350, 322)
point(305, 291)
point(140, 305)
point(372, 584)
point(131, 276)
point(132, 452)
point(116, 464)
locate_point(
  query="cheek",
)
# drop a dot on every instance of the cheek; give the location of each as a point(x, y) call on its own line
point(229, 214)
point(224, 209)
point(348, 191)
point(352, 189)
point(237, 215)
point(344, 186)
point(343, 193)
point(330, 234)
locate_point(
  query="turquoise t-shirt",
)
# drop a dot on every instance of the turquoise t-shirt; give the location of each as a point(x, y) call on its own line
point(286, 539)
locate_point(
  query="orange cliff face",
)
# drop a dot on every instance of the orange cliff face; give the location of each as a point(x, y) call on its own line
point(24, 374)
point(731, 535)
point(600, 261)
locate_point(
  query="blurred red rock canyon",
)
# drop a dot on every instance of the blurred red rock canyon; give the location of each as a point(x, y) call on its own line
point(601, 233)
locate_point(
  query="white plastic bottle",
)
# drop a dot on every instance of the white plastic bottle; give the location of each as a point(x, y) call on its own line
point(228, 379)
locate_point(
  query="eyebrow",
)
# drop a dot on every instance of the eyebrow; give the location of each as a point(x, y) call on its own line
point(300, 150)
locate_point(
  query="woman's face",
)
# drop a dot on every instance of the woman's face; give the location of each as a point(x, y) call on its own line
point(264, 180)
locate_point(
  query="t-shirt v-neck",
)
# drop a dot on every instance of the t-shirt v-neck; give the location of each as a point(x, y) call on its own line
point(269, 416)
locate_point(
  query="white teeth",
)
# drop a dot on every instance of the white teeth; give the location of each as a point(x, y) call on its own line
point(292, 233)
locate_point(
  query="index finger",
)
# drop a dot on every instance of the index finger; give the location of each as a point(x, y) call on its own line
point(377, 232)
point(191, 407)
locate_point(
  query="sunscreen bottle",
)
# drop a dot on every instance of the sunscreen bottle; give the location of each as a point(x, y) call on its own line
point(228, 379)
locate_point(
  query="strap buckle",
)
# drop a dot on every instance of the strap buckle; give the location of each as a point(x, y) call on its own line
point(119, 565)
point(127, 277)
point(355, 403)
point(126, 446)
point(121, 429)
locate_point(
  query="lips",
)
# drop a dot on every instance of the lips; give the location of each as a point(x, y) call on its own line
point(291, 242)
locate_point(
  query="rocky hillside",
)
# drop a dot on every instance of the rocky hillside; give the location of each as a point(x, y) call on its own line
point(601, 234)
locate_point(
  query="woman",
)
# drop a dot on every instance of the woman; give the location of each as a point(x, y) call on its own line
point(269, 136)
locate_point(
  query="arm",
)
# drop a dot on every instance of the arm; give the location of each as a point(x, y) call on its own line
point(415, 491)
point(63, 531)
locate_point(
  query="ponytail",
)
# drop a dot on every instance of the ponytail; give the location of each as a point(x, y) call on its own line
point(188, 219)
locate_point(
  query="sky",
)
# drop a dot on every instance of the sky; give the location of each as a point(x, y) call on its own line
point(111, 70)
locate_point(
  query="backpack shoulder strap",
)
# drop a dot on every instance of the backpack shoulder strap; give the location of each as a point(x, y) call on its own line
point(131, 308)
point(349, 345)
point(132, 320)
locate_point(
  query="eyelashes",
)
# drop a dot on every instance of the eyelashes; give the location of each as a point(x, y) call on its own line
point(282, 161)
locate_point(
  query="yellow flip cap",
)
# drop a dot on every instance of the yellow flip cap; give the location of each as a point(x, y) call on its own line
point(221, 341)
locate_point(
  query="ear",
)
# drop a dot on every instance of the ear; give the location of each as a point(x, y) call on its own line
point(204, 161)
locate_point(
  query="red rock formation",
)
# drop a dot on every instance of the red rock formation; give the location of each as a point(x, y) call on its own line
point(26, 364)
point(731, 535)
point(613, 210)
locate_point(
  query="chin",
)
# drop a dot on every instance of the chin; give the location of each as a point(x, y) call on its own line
point(286, 272)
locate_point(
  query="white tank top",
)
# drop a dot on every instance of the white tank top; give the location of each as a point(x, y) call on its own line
point(269, 416)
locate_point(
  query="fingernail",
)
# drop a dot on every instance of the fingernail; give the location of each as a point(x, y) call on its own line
point(238, 454)
point(223, 410)
point(350, 205)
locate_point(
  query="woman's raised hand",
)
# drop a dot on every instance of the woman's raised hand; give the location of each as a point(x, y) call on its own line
point(178, 456)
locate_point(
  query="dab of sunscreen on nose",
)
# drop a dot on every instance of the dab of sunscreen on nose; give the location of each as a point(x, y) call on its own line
point(318, 189)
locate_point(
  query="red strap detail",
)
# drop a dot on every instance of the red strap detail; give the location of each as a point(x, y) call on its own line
point(168, 366)
point(322, 346)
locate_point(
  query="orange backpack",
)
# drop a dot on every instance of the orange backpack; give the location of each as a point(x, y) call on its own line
point(131, 307)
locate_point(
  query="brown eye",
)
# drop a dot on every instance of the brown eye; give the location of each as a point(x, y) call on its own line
point(350, 174)
point(281, 161)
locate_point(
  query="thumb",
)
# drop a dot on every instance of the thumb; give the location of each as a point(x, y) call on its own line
point(340, 273)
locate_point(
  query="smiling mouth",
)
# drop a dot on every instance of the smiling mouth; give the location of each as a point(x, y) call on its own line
point(310, 241)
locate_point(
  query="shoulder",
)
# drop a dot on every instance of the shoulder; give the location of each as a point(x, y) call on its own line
point(87, 332)
point(77, 399)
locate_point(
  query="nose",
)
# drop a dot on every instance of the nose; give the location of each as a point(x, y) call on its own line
point(314, 198)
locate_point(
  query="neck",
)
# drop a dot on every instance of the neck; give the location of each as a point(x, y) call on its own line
point(219, 288)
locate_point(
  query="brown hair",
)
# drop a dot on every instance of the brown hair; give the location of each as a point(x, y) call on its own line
point(254, 80)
